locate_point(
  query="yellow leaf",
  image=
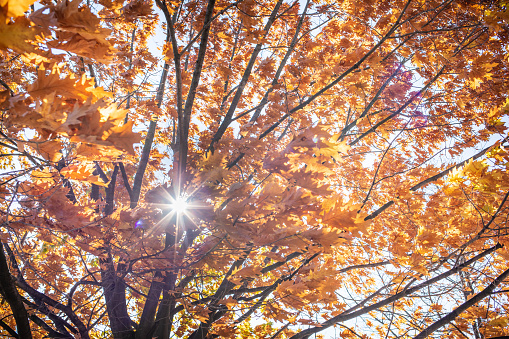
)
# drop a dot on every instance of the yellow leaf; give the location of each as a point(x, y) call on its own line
point(43, 176)
point(15, 35)
point(499, 322)
point(15, 8)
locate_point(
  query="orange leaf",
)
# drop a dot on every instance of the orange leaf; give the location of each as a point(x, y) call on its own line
point(123, 137)
point(82, 172)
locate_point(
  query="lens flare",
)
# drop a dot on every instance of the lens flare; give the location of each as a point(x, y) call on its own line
point(179, 206)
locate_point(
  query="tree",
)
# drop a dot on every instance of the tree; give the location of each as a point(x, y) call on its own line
point(254, 169)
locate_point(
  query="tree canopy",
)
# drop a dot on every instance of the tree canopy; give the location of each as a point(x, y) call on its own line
point(254, 169)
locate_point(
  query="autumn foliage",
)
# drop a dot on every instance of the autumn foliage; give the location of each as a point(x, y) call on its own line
point(254, 169)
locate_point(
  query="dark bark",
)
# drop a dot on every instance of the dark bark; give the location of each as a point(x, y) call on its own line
point(125, 179)
point(149, 310)
point(11, 295)
point(162, 322)
point(116, 306)
point(62, 326)
point(149, 139)
point(110, 193)
point(142, 166)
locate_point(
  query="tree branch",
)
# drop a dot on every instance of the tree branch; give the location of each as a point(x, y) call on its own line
point(338, 79)
point(186, 118)
point(149, 309)
point(429, 180)
point(125, 179)
point(110, 193)
point(289, 52)
point(245, 77)
point(463, 307)
point(116, 304)
point(9, 330)
point(347, 315)
point(11, 295)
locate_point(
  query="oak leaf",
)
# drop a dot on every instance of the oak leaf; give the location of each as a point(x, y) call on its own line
point(136, 9)
point(15, 8)
point(17, 35)
point(82, 172)
point(122, 137)
point(78, 30)
point(49, 150)
point(46, 84)
point(87, 151)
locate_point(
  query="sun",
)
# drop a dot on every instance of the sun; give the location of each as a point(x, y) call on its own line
point(179, 206)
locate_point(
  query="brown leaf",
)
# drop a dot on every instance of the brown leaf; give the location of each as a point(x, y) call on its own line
point(4, 98)
point(50, 150)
